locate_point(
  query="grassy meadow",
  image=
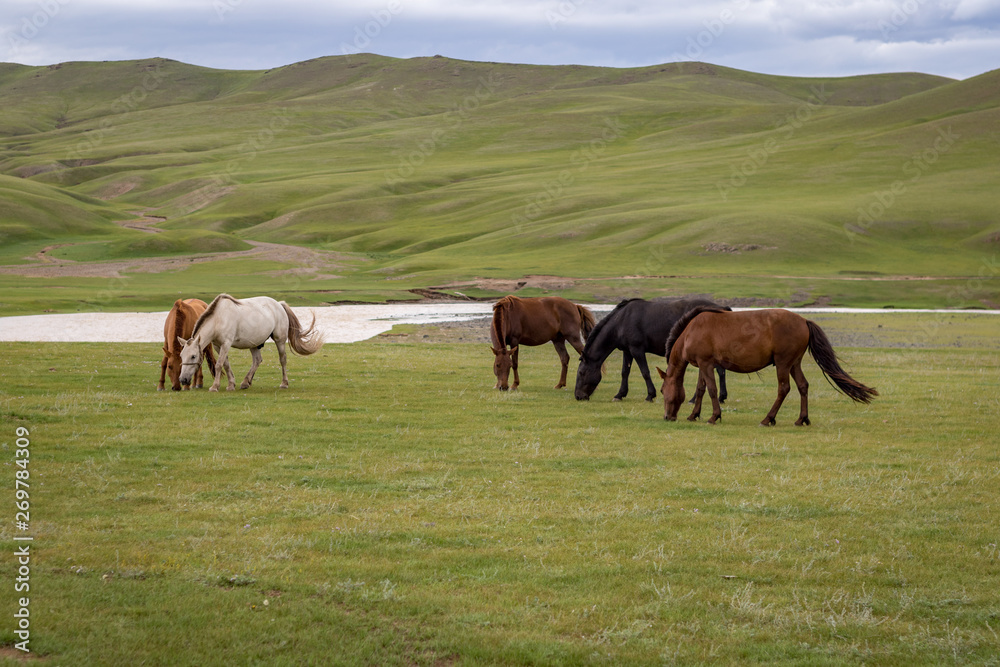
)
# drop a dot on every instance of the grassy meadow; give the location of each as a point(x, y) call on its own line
point(408, 174)
point(392, 508)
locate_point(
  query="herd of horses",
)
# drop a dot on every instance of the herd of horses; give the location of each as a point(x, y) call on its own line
point(685, 332)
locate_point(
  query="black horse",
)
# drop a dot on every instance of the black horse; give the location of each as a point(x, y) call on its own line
point(635, 327)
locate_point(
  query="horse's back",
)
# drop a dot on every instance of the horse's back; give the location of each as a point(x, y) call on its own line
point(745, 341)
point(536, 320)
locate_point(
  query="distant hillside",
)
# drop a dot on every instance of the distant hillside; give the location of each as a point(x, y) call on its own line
point(432, 170)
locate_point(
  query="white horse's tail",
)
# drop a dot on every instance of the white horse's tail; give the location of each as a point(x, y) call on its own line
point(303, 342)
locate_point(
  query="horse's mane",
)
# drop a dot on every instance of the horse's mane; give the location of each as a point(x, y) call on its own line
point(499, 308)
point(685, 319)
point(596, 331)
point(211, 311)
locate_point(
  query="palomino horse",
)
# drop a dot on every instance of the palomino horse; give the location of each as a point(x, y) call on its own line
point(746, 342)
point(536, 321)
point(180, 323)
point(636, 327)
point(246, 324)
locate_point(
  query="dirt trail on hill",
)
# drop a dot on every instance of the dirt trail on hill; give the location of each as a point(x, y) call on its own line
point(310, 263)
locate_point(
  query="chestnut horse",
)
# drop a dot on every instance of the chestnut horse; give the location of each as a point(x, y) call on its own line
point(746, 342)
point(180, 323)
point(535, 321)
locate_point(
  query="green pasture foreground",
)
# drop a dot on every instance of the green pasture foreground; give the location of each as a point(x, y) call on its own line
point(392, 508)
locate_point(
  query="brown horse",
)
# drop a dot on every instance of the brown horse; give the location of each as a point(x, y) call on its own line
point(180, 323)
point(746, 342)
point(536, 321)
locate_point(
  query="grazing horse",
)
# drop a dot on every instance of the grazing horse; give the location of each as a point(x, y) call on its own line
point(536, 321)
point(246, 324)
point(636, 327)
point(180, 323)
point(746, 342)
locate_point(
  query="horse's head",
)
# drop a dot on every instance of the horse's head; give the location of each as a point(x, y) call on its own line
point(673, 393)
point(503, 359)
point(588, 376)
point(191, 355)
point(173, 369)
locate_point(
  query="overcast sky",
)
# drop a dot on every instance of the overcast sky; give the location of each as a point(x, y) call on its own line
point(954, 38)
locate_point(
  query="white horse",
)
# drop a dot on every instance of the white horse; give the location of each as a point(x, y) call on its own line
point(245, 324)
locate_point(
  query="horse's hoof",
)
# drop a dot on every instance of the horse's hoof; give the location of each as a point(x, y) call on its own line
point(617, 399)
point(213, 389)
point(245, 385)
point(694, 418)
point(803, 422)
point(283, 385)
point(768, 422)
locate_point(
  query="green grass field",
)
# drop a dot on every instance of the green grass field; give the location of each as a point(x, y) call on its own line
point(684, 178)
point(392, 508)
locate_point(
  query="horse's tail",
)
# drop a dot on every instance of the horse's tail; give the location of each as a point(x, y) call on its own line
point(307, 341)
point(822, 351)
point(587, 322)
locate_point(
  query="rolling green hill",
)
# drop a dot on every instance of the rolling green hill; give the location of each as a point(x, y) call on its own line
point(414, 173)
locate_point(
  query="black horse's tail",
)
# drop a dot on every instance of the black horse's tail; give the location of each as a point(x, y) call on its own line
point(822, 351)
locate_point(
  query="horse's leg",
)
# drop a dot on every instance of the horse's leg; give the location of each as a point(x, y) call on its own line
point(626, 368)
point(707, 371)
point(563, 359)
point(211, 359)
point(283, 359)
point(256, 357)
point(803, 386)
point(230, 378)
point(640, 359)
point(221, 363)
point(723, 393)
point(513, 365)
point(163, 374)
point(699, 393)
point(784, 386)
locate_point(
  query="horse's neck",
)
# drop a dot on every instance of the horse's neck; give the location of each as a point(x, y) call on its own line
point(206, 332)
point(498, 330)
point(179, 318)
point(601, 343)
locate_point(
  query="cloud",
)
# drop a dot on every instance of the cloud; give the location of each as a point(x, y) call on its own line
point(802, 37)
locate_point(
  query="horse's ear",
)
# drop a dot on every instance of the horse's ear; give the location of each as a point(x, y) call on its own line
point(514, 349)
point(662, 374)
point(182, 341)
point(496, 352)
